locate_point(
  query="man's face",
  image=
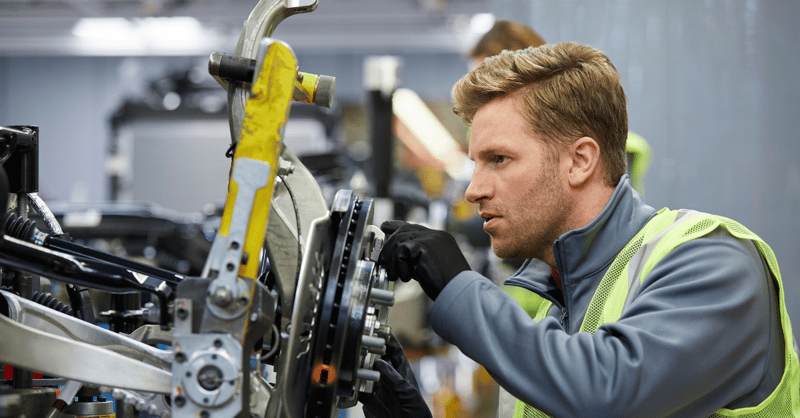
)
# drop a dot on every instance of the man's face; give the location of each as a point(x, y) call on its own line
point(517, 182)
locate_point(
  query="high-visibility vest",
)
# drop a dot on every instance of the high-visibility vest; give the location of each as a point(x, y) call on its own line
point(620, 284)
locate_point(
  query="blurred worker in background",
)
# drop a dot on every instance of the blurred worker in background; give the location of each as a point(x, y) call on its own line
point(639, 312)
point(504, 35)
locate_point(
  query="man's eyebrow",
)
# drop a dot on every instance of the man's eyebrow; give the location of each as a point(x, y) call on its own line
point(491, 151)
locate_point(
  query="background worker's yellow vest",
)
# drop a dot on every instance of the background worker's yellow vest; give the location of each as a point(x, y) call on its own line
point(661, 235)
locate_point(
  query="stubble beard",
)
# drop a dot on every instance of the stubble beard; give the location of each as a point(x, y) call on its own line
point(543, 216)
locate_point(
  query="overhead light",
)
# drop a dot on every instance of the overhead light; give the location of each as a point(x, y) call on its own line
point(136, 36)
point(480, 23)
point(171, 100)
point(169, 29)
point(108, 28)
point(468, 29)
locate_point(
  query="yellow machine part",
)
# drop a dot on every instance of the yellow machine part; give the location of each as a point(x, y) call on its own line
point(305, 87)
point(266, 112)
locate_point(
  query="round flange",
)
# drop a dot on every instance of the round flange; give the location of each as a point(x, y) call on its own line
point(214, 378)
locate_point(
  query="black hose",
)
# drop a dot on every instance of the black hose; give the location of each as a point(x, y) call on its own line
point(51, 302)
point(18, 227)
point(45, 299)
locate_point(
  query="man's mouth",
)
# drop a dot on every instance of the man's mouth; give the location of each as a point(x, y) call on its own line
point(487, 219)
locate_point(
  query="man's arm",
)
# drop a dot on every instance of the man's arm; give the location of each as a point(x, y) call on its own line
point(697, 338)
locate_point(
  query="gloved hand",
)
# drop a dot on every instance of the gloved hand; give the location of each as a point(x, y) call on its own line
point(397, 393)
point(429, 256)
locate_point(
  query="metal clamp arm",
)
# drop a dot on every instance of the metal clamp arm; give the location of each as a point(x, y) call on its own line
point(54, 322)
point(84, 271)
point(260, 24)
point(70, 351)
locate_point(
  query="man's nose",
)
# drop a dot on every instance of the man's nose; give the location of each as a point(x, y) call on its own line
point(478, 188)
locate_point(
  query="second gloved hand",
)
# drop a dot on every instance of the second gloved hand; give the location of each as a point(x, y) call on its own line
point(429, 256)
point(397, 394)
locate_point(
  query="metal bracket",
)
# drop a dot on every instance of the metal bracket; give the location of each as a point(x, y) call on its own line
point(227, 290)
point(55, 354)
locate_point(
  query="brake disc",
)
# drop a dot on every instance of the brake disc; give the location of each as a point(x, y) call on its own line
point(351, 327)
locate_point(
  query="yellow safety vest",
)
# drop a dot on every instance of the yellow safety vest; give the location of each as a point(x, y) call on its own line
point(662, 234)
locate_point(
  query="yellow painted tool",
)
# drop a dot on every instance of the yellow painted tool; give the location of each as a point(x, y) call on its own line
point(266, 112)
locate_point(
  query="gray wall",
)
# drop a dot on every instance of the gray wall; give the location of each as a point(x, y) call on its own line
point(713, 87)
point(71, 100)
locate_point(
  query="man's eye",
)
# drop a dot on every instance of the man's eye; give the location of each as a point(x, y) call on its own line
point(499, 159)
point(494, 160)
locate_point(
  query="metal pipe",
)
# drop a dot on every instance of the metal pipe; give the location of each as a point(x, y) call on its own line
point(47, 215)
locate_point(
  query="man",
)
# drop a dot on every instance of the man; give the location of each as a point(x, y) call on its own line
point(640, 313)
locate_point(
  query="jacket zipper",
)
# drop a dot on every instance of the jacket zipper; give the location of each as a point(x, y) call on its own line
point(565, 308)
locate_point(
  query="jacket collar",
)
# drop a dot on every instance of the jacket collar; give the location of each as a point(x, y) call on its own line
point(582, 253)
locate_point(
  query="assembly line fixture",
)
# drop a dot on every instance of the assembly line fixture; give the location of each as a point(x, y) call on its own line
point(288, 280)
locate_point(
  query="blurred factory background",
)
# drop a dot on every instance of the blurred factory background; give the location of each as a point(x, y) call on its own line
point(126, 108)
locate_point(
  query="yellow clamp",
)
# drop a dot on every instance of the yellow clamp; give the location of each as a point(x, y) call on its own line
point(266, 112)
point(314, 89)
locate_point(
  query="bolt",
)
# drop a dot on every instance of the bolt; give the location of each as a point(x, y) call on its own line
point(374, 345)
point(383, 331)
point(205, 414)
point(230, 266)
point(381, 297)
point(180, 357)
point(374, 342)
point(285, 167)
point(182, 313)
point(218, 343)
point(210, 378)
point(253, 317)
point(222, 296)
point(180, 401)
point(366, 374)
point(234, 245)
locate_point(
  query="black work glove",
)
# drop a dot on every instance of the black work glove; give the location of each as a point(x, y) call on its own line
point(429, 256)
point(397, 393)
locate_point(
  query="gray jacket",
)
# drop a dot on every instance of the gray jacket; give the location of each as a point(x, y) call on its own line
point(703, 332)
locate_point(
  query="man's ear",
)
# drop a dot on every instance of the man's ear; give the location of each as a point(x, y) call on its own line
point(584, 155)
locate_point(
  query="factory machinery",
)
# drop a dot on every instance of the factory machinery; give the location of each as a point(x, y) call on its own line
point(290, 284)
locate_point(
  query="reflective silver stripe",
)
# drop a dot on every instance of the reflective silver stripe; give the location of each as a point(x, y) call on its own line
point(643, 254)
point(506, 403)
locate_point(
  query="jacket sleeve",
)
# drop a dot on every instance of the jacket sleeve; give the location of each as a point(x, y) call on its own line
point(698, 337)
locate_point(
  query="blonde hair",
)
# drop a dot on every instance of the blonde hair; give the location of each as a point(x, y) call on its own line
point(505, 34)
point(569, 91)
